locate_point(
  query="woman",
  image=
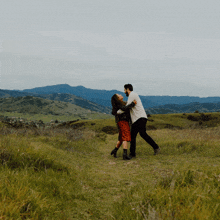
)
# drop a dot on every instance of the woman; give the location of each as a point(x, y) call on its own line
point(122, 121)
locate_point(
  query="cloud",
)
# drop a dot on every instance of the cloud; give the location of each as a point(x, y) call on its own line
point(142, 46)
point(102, 44)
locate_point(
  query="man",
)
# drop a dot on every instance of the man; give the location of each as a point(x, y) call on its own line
point(139, 120)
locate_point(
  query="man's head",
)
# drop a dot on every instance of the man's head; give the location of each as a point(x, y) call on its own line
point(128, 88)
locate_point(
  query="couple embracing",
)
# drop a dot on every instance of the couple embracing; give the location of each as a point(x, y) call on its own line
point(132, 111)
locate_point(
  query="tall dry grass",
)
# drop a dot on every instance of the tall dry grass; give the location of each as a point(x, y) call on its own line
point(67, 173)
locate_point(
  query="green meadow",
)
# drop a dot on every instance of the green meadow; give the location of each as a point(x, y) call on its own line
point(60, 117)
point(68, 172)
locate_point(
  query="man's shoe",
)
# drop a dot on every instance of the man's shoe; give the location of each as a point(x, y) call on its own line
point(132, 155)
point(156, 151)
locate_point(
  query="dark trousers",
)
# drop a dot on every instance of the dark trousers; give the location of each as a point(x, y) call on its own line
point(140, 127)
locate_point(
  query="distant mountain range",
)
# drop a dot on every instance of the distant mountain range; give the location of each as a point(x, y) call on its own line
point(64, 97)
point(100, 100)
point(103, 97)
point(185, 108)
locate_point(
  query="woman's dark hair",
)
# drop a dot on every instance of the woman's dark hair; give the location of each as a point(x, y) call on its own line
point(128, 86)
point(116, 103)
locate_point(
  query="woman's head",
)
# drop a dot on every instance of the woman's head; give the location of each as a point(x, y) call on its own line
point(120, 97)
point(116, 99)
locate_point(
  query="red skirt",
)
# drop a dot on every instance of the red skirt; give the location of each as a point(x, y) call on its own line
point(124, 131)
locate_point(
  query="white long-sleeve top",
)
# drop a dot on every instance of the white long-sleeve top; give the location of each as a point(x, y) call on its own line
point(138, 110)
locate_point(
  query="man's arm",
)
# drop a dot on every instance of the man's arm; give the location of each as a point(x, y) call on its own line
point(124, 108)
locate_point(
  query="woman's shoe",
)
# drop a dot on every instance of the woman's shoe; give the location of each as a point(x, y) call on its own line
point(114, 152)
point(125, 156)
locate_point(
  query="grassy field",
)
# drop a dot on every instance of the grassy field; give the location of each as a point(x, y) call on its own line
point(67, 173)
point(64, 117)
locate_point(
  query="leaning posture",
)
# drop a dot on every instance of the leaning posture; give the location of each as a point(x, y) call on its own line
point(139, 120)
point(122, 121)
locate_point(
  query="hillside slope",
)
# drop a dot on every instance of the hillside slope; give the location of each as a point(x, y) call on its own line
point(79, 101)
point(35, 105)
point(73, 99)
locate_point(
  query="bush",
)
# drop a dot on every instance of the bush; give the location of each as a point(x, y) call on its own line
point(192, 118)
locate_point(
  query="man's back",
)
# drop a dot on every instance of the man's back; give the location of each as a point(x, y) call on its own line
point(138, 110)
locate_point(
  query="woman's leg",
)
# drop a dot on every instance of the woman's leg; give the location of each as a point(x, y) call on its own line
point(124, 136)
point(125, 149)
point(114, 152)
point(125, 144)
point(119, 143)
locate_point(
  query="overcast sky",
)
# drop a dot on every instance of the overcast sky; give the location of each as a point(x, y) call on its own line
point(162, 47)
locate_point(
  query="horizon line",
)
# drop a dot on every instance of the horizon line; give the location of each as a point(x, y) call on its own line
point(22, 90)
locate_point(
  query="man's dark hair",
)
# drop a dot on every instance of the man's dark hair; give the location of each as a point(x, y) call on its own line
point(128, 86)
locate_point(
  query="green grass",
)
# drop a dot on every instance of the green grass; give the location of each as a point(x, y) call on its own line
point(69, 173)
point(49, 117)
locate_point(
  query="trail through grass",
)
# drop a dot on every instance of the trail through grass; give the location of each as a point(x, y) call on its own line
point(45, 176)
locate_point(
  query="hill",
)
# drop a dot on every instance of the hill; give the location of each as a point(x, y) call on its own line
point(36, 105)
point(185, 108)
point(13, 93)
point(60, 97)
point(73, 99)
point(100, 100)
point(103, 97)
